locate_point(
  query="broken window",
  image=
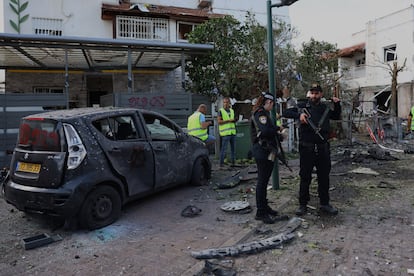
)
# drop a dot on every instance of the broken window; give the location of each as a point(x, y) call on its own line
point(160, 129)
point(117, 128)
point(383, 101)
point(183, 29)
point(390, 53)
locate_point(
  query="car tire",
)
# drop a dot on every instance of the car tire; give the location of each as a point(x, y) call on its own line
point(101, 207)
point(199, 173)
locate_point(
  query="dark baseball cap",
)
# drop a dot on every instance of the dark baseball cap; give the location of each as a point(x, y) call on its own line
point(315, 87)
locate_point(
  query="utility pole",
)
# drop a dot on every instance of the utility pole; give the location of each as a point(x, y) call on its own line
point(271, 64)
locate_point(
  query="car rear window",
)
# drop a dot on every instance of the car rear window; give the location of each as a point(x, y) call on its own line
point(39, 134)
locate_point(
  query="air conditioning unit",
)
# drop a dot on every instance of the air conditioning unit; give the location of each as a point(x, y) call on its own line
point(204, 3)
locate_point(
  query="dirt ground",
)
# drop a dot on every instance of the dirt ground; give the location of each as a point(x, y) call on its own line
point(372, 234)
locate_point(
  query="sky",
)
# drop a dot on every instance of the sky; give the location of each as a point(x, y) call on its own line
point(335, 21)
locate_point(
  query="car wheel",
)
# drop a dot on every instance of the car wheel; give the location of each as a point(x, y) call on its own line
point(101, 207)
point(199, 174)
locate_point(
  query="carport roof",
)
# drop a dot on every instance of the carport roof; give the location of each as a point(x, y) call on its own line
point(92, 54)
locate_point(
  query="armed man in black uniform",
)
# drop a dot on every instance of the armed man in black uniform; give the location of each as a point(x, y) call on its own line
point(264, 133)
point(314, 148)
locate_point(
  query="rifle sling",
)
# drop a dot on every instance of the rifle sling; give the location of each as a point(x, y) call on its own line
point(321, 121)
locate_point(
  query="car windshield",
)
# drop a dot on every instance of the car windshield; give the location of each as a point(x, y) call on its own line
point(39, 134)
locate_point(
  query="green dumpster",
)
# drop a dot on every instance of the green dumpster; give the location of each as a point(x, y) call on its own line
point(243, 141)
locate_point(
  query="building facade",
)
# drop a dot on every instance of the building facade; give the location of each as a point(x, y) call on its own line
point(155, 21)
point(366, 66)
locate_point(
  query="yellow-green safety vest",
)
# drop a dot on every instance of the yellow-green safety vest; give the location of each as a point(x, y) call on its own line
point(227, 128)
point(279, 122)
point(412, 118)
point(194, 126)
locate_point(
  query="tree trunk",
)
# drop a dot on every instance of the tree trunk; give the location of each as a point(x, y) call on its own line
point(394, 74)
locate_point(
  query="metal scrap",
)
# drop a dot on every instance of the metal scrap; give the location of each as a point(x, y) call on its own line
point(239, 206)
point(39, 240)
point(223, 268)
point(362, 170)
point(276, 241)
point(230, 182)
point(190, 211)
point(247, 248)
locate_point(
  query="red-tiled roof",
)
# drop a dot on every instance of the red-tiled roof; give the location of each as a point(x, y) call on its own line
point(350, 51)
point(197, 15)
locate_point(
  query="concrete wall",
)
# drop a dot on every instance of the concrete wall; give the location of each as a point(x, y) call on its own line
point(80, 18)
point(394, 29)
point(80, 83)
point(83, 18)
point(147, 81)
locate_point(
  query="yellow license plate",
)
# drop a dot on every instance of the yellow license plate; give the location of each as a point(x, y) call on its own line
point(28, 167)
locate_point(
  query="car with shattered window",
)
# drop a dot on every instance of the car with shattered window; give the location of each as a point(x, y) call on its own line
point(88, 163)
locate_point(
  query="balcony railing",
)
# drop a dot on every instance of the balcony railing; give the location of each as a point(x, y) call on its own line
point(144, 28)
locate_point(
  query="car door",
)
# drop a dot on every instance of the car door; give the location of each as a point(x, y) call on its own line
point(128, 151)
point(172, 157)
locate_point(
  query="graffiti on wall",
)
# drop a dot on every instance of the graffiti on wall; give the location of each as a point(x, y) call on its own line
point(147, 102)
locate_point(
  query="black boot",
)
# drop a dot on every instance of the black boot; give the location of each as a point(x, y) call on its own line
point(271, 212)
point(329, 209)
point(265, 217)
point(302, 210)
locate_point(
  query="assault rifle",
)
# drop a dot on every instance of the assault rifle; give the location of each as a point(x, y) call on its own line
point(282, 156)
point(315, 128)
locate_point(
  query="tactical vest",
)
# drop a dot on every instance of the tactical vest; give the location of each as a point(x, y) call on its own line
point(227, 128)
point(194, 126)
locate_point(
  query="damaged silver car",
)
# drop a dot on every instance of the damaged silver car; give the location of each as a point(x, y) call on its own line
point(87, 163)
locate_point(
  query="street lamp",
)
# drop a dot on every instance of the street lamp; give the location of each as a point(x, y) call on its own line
point(271, 58)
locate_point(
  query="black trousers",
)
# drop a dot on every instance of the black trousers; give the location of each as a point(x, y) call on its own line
point(314, 155)
point(264, 171)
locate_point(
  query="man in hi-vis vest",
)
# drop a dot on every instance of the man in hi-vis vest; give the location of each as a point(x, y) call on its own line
point(197, 125)
point(227, 130)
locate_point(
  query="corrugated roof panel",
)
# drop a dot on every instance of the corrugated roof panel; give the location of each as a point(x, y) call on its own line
point(24, 51)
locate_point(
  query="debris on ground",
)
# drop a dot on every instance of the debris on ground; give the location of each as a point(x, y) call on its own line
point(381, 154)
point(229, 181)
point(218, 267)
point(190, 211)
point(362, 170)
point(233, 180)
point(285, 236)
point(238, 206)
point(385, 184)
point(39, 240)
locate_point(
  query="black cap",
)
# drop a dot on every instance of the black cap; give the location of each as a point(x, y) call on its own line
point(315, 87)
point(268, 96)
